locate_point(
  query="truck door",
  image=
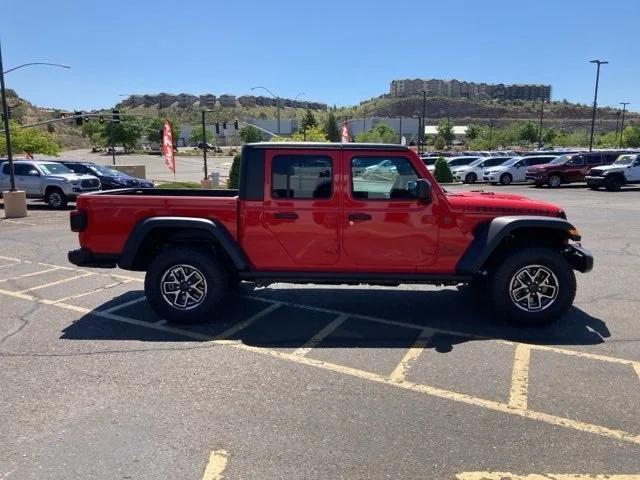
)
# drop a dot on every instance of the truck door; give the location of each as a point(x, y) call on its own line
point(301, 208)
point(384, 227)
point(576, 169)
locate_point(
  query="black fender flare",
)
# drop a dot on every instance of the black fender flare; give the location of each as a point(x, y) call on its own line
point(488, 237)
point(218, 233)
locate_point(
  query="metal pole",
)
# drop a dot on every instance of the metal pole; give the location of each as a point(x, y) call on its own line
point(364, 120)
point(424, 109)
point(595, 101)
point(540, 129)
point(624, 109)
point(278, 107)
point(113, 147)
point(7, 134)
point(400, 134)
point(617, 123)
point(204, 145)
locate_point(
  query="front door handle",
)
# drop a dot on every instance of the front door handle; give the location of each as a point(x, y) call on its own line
point(359, 217)
point(285, 215)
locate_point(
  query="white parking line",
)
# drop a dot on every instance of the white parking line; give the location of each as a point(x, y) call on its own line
point(64, 280)
point(101, 289)
point(125, 304)
point(321, 335)
point(400, 372)
point(29, 274)
point(245, 323)
point(216, 466)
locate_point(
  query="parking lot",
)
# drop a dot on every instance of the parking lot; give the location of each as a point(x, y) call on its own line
point(318, 381)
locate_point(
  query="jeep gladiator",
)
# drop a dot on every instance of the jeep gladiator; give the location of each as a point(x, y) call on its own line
point(333, 214)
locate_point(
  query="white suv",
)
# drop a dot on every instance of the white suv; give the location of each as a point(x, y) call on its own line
point(625, 170)
point(474, 171)
point(514, 169)
point(51, 181)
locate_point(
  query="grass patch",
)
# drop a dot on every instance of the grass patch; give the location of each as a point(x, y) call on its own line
point(178, 185)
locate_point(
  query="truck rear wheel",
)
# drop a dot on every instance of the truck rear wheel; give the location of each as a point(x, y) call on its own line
point(185, 285)
point(533, 286)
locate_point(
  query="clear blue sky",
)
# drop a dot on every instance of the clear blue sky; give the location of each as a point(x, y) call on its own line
point(339, 52)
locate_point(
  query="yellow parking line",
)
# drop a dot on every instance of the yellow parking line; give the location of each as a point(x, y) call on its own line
point(39, 272)
point(65, 280)
point(245, 323)
point(520, 377)
point(216, 466)
point(361, 374)
point(321, 335)
point(540, 476)
point(400, 372)
point(79, 295)
point(636, 367)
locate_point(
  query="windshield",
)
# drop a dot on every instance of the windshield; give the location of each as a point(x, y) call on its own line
point(510, 162)
point(477, 162)
point(560, 160)
point(625, 160)
point(104, 170)
point(53, 168)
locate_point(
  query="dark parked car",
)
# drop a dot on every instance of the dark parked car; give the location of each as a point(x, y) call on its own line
point(569, 168)
point(109, 178)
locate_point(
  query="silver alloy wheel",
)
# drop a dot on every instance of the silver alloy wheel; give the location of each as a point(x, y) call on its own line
point(55, 199)
point(533, 288)
point(555, 181)
point(183, 287)
point(505, 179)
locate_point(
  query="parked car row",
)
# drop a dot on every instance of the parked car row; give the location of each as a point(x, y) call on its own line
point(58, 182)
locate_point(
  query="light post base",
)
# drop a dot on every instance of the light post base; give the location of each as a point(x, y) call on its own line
point(15, 204)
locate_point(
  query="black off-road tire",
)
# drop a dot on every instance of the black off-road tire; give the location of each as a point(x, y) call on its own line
point(56, 198)
point(506, 179)
point(164, 274)
point(613, 183)
point(470, 178)
point(503, 281)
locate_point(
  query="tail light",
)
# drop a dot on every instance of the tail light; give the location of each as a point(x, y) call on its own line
point(78, 220)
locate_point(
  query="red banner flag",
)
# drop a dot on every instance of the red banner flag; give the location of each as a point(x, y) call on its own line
point(167, 147)
point(344, 132)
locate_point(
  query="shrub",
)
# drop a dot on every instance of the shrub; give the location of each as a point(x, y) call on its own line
point(442, 172)
point(234, 172)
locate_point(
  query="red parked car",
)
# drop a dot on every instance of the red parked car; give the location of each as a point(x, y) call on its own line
point(569, 168)
point(307, 213)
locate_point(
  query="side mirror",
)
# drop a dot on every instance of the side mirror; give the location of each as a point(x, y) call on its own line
point(34, 173)
point(423, 191)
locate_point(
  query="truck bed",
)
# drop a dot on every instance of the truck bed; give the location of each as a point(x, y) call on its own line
point(113, 213)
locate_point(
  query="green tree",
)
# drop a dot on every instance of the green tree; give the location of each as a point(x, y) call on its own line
point(127, 132)
point(631, 136)
point(473, 131)
point(445, 131)
point(234, 172)
point(195, 136)
point(527, 132)
point(381, 133)
point(153, 126)
point(308, 121)
point(439, 143)
point(442, 171)
point(250, 134)
point(29, 140)
point(549, 136)
point(331, 129)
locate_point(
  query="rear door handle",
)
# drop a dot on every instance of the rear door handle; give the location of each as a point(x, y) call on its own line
point(285, 215)
point(359, 217)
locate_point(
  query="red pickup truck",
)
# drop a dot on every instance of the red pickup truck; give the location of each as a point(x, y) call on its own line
point(332, 214)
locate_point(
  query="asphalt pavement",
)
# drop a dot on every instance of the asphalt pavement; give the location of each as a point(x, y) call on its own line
point(318, 382)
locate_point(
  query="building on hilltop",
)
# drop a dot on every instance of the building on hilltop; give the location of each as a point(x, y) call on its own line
point(472, 90)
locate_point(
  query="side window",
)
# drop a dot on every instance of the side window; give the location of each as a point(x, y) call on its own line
point(376, 178)
point(22, 168)
point(494, 162)
point(5, 168)
point(577, 160)
point(610, 157)
point(594, 160)
point(301, 177)
point(538, 160)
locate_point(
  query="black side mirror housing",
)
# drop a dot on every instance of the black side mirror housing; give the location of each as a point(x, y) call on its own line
point(423, 191)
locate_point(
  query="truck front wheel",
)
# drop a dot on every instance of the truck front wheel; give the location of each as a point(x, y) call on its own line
point(185, 285)
point(533, 286)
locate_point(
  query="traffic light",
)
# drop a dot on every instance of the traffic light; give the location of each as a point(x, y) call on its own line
point(224, 125)
point(235, 124)
point(217, 127)
point(116, 115)
point(101, 119)
point(79, 118)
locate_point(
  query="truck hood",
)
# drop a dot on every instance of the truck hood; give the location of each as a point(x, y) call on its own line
point(498, 204)
point(70, 177)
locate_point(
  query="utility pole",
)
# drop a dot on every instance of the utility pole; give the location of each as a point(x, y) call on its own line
point(421, 133)
point(5, 119)
point(617, 123)
point(204, 144)
point(400, 134)
point(624, 109)
point(541, 117)
point(595, 100)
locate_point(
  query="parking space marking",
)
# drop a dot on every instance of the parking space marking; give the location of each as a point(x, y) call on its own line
point(125, 304)
point(540, 476)
point(321, 335)
point(636, 367)
point(91, 292)
point(400, 372)
point(58, 282)
point(342, 369)
point(245, 323)
point(520, 377)
point(216, 466)
point(40, 272)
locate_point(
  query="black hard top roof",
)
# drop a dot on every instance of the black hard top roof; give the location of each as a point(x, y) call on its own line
point(328, 146)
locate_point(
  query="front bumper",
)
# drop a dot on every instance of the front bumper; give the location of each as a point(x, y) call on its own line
point(492, 177)
point(86, 258)
point(594, 181)
point(579, 258)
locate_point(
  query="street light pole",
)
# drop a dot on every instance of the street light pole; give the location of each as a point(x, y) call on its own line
point(5, 119)
point(595, 100)
point(540, 128)
point(204, 144)
point(421, 133)
point(277, 102)
point(624, 109)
